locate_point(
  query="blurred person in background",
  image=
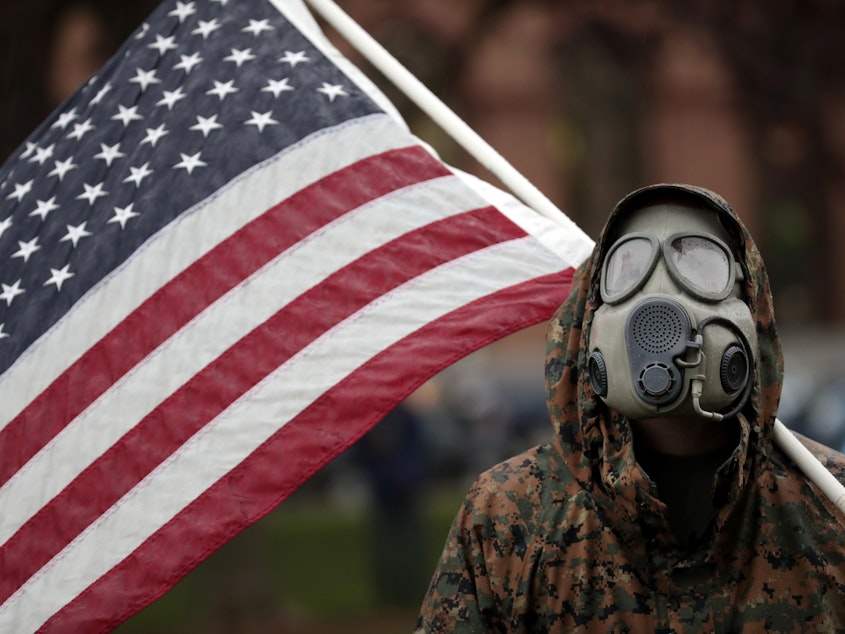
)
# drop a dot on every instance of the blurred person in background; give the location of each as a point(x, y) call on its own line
point(662, 504)
point(392, 459)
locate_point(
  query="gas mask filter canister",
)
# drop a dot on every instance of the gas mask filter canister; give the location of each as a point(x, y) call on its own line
point(672, 337)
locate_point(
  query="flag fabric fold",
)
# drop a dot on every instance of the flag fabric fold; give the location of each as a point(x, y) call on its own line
point(222, 261)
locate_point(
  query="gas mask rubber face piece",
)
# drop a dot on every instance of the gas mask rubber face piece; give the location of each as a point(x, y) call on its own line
point(672, 336)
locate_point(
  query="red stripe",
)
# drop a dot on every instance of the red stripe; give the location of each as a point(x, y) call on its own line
point(213, 389)
point(202, 283)
point(329, 426)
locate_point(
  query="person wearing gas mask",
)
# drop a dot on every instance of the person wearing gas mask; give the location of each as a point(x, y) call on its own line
point(662, 503)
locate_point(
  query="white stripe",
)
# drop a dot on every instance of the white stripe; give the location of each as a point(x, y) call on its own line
point(215, 330)
point(182, 242)
point(230, 438)
point(562, 236)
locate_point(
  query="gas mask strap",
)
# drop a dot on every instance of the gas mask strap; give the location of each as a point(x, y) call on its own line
point(749, 385)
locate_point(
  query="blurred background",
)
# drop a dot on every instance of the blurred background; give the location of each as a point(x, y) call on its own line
point(588, 101)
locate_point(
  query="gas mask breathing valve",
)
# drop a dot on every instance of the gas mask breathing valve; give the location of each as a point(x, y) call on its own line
point(657, 380)
point(658, 332)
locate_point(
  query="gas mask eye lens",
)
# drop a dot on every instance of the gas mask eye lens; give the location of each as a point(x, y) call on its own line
point(701, 264)
point(627, 266)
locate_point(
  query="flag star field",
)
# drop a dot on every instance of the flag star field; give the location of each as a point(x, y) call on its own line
point(256, 85)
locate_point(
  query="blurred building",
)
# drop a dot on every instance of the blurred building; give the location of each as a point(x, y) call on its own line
point(588, 100)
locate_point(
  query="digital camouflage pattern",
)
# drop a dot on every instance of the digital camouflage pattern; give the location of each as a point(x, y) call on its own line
point(569, 536)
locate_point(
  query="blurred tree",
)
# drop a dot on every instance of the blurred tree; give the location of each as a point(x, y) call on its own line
point(48, 47)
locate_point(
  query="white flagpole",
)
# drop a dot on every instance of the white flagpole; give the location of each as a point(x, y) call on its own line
point(436, 109)
point(524, 189)
point(810, 465)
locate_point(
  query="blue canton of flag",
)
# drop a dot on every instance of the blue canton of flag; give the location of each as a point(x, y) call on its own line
point(199, 95)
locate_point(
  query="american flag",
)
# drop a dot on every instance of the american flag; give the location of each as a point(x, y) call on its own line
point(222, 261)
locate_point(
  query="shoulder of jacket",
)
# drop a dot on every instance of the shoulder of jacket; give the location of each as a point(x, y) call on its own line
point(524, 493)
point(794, 481)
point(830, 458)
point(533, 471)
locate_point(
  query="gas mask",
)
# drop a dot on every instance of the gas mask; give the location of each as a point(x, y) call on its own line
point(672, 337)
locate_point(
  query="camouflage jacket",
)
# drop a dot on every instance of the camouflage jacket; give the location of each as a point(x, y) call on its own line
point(570, 536)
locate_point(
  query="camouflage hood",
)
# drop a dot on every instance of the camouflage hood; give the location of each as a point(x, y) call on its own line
point(594, 440)
point(570, 535)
